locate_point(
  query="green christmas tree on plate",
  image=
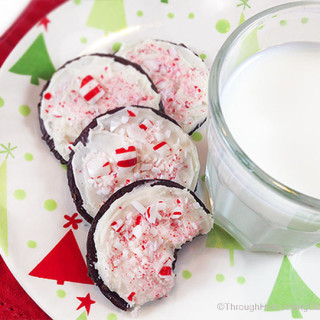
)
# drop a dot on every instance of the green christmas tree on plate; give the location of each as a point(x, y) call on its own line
point(107, 15)
point(250, 43)
point(35, 62)
point(83, 316)
point(218, 238)
point(290, 292)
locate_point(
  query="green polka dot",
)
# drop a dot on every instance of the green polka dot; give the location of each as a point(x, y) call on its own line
point(318, 245)
point(1, 102)
point(186, 274)
point(223, 26)
point(77, 2)
point(32, 244)
point(220, 277)
point(116, 46)
point(283, 23)
point(19, 194)
point(274, 16)
point(170, 15)
point(139, 13)
point(61, 293)
point(191, 15)
point(241, 280)
point(64, 166)
point(112, 316)
point(50, 205)
point(304, 20)
point(203, 56)
point(28, 156)
point(196, 136)
point(83, 40)
point(24, 110)
point(203, 178)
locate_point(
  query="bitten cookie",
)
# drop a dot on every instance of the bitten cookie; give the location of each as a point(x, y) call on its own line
point(132, 242)
point(180, 76)
point(83, 89)
point(125, 145)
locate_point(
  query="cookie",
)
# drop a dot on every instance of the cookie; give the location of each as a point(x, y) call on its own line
point(133, 240)
point(180, 76)
point(125, 145)
point(85, 88)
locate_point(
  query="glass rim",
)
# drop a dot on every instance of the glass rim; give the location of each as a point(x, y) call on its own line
point(224, 132)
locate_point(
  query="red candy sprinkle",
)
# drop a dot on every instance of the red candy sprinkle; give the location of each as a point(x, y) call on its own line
point(47, 96)
point(165, 271)
point(130, 297)
point(106, 164)
point(138, 220)
point(143, 126)
point(131, 114)
point(117, 225)
point(159, 145)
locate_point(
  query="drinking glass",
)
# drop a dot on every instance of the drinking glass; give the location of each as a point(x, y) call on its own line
point(260, 212)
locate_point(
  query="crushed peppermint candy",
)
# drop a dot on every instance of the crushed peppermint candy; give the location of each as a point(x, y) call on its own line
point(180, 76)
point(138, 206)
point(131, 154)
point(146, 124)
point(162, 148)
point(87, 87)
point(165, 272)
point(140, 256)
point(117, 225)
point(126, 157)
point(91, 90)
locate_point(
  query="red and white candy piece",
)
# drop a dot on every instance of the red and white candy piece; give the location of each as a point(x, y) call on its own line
point(91, 90)
point(165, 272)
point(176, 214)
point(126, 158)
point(130, 296)
point(98, 167)
point(146, 124)
point(117, 225)
point(162, 148)
point(151, 214)
point(138, 206)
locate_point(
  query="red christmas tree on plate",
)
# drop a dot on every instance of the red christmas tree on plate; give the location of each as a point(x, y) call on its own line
point(63, 263)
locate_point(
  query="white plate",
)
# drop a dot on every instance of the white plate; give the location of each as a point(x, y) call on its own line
point(32, 231)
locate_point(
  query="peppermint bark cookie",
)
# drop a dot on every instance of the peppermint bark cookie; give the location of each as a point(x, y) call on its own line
point(133, 241)
point(83, 89)
point(125, 145)
point(180, 76)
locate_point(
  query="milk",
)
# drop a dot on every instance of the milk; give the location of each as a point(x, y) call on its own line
point(271, 105)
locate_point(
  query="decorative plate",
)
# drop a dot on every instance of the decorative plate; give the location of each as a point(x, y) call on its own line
point(42, 238)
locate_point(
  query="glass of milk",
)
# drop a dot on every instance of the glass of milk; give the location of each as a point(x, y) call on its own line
point(263, 166)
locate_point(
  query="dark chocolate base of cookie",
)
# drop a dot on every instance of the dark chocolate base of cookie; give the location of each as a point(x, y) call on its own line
point(47, 138)
point(91, 248)
point(83, 138)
